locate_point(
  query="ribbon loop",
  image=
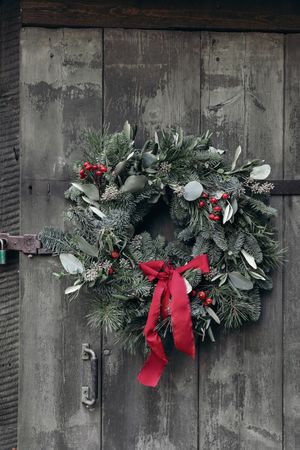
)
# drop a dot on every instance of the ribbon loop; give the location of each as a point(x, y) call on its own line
point(169, 298)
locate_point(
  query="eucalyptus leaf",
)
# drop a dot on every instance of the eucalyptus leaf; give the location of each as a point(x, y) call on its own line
point(119, 167)
point(223, 279)
point(71, 264)
point(249, 258)
point(234, 205)
point(127, 129)
point(86, 247)
point(240, 282)
point(148, 159)
point(192, 190)
point(89, 190)
point(228, 213)
point(213, 315)
point(211, 335)
point(134, 183)
point(236, 157)
point(260, 172)
point(72, 289)
point(89, 201)
point(97, 212)
point(130, 156)
point(256, 275)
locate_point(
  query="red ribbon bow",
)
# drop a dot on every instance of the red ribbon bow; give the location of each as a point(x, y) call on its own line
point(170, 284)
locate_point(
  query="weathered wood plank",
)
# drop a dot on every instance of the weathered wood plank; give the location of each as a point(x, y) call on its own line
point(227, 15)
point(151, 78)
point(264, 86)
point(291, 215)
point(240, 375)
point(61, 93)
point(9, 219)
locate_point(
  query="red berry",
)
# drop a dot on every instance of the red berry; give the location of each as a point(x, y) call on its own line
point(94, 167)
point(217, 218)
point(103, 168)
point(225, 196)
point(110, 271)
point(82, 177)
point(211, 216)
point(193, 293)
point(202, 295)
point(204, 195)
point(213, 200)
point(201, 203)
point(89, 166)
point(81, 172)
point(86, 164)
point(209, 301)
point(217, 208)
point(99, 173)
point(115, 254)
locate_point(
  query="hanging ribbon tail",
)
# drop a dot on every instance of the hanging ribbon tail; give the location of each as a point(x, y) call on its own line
point(157, 360)
point(152, 370)
point(182, 326)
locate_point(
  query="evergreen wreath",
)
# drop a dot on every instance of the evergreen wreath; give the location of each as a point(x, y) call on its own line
point(218, 209)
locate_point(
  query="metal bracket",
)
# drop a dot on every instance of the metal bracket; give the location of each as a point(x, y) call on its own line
point(285, 187)
point(26, 243)
point(89, 395)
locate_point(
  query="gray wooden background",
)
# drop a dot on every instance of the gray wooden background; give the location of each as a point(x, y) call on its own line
point(241, 393)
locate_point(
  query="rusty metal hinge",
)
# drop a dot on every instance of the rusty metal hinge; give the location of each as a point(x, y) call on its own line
point(26, 243)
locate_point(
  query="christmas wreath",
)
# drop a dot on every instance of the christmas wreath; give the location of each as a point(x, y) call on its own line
point(141, 286)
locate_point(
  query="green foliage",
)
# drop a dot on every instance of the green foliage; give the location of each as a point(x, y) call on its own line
point(103, 237)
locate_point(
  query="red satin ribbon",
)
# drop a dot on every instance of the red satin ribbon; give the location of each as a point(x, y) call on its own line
point(170, 284)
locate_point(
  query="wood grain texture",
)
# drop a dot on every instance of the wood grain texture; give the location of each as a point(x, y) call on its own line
point(150, 78)
point(269, 15)
point(61, 94)
point(9, 219)
point(291, 344)
point(242, 99)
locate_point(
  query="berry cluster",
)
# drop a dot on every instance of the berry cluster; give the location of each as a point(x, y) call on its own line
point(97, 169)
point(206, 301)
point(215, 215)
point(115, 255)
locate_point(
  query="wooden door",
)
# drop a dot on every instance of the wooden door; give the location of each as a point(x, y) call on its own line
point(242, 392)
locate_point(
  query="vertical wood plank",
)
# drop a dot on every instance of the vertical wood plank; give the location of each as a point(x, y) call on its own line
point(263, 342)
point(291, 363)
point(240, 375)
point(9, 219)
point(61, 93)
point(151, 78)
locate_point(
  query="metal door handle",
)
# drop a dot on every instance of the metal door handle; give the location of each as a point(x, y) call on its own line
point(89, 395)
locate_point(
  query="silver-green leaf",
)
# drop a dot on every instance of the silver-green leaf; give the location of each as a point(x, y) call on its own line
point(240, 282)
point(213, 314)
point(89, 190)
point(71, 264)
point(97, 212)
point(249, 258)
point(148, 159)
point(236, 157)
point(260, 172)
point(72, 289)
point(134, 183)
point(228, 213)
point(86, 247)
point(192, 190)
